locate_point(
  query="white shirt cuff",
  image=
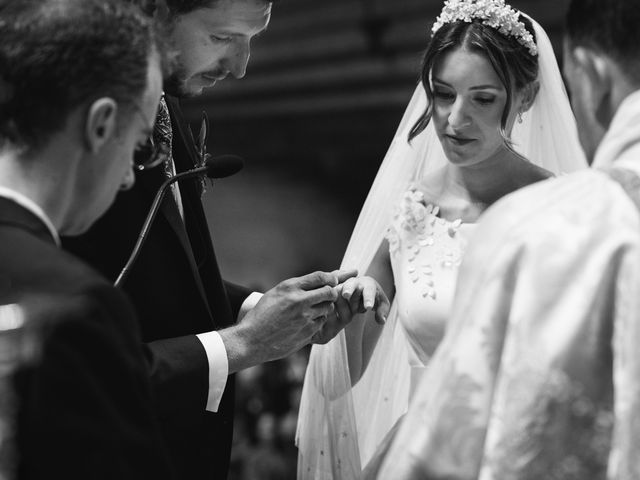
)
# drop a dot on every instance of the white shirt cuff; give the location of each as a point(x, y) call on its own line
point(217, 356)
point(248, 304)
point(218, 367)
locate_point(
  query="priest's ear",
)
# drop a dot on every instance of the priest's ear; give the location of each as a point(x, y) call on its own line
point(592, 75)
point(101, 123)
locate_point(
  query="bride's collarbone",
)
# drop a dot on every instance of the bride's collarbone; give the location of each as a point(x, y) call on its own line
point(455, 208)
point(468, 213)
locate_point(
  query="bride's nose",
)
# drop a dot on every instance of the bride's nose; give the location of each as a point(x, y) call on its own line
point(459, 114)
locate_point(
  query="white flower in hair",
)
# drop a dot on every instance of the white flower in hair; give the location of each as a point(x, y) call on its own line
point(493, 13)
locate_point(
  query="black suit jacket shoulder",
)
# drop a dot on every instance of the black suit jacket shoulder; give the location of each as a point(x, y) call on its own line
point(80, 381)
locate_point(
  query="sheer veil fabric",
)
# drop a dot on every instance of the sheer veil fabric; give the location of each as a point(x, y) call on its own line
point(339, 427)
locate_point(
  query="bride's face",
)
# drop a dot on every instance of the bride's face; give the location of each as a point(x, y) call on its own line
point(469, 100)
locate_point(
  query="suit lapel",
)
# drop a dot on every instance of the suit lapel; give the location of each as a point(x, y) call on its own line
point(185, 156)
point(16, 215)
point(168, 207)
point(151, 181)
point(181, 135)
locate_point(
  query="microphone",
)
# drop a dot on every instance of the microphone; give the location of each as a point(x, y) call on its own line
point(215, 167)
point(220, 167)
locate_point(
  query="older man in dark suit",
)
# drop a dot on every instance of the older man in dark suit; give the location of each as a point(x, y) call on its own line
point(80, 82)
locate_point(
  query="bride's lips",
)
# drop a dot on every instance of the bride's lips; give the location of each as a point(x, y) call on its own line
point(458, 140)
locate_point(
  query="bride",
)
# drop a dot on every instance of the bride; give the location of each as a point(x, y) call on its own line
point(490, 116)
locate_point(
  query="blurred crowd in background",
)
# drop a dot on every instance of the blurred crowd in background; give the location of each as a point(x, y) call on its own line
point(268, 397)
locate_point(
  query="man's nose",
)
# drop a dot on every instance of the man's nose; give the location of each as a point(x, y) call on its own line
point(238, 60)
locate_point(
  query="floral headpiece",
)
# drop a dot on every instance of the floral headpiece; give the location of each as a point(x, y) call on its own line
point(493, 13)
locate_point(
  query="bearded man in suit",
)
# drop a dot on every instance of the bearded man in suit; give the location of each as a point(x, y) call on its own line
point(79, 85)
point(199, 328)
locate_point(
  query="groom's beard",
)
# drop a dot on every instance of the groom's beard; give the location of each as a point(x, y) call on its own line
point(175, 84)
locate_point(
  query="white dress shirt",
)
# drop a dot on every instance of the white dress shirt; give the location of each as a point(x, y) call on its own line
point(217, 356)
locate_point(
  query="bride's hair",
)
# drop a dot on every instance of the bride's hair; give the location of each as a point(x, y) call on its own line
point(512, 62)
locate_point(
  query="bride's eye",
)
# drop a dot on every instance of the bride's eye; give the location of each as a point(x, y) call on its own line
point(485, 100)
point(443, 95)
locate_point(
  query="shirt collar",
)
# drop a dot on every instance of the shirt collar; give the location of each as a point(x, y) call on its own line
point(30, 205)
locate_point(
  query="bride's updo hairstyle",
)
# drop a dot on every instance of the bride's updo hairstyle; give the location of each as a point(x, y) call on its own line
point(514, 64)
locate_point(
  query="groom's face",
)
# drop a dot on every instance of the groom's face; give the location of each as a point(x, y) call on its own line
point(584, 101)
point(214, 42)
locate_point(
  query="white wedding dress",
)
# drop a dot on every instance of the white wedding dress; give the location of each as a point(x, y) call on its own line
point(425, 252)
point(341, 426)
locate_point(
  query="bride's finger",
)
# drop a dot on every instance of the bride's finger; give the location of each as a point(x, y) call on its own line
point(348, 288)
point(354, 300)
point(383, 307)
point(369, 295)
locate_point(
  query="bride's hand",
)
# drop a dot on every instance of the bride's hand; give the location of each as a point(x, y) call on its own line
point(356, 295)
point(364, 294)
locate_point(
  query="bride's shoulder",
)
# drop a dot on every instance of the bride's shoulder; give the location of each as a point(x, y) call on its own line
point(530, 173)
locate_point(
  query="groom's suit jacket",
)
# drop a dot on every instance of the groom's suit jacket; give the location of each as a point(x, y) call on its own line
point(178, 292)
point(79, 384)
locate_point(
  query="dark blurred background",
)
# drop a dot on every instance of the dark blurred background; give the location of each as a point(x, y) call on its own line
point(325, 89)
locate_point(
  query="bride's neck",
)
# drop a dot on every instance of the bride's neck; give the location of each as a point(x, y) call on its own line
point(487, 181)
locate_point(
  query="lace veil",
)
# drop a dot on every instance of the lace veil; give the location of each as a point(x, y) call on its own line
point(339, 428)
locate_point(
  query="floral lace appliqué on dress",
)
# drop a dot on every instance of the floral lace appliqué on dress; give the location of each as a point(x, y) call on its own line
point(426, 251)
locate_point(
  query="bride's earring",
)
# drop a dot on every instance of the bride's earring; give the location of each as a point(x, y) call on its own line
point(520, 117)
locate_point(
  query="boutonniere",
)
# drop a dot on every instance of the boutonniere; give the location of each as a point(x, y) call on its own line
point(201, 149)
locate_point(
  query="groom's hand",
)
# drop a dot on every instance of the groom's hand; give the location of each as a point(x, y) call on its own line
point(284, 320)
point(340, 318)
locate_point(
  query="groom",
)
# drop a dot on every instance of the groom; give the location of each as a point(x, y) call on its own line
point(200, 329)
point(539, 373)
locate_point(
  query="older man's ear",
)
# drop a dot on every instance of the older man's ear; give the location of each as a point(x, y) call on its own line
point(100, 123)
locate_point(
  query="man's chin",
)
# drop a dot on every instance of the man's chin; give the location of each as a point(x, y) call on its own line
point(180, 88)
point(190, 92)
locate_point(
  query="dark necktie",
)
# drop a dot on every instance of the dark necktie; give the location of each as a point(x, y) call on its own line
point(162, 133)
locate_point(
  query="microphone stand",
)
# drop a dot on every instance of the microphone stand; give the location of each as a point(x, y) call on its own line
point(124, 273)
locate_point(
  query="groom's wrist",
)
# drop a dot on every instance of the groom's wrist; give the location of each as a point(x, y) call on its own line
point(237, 342)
